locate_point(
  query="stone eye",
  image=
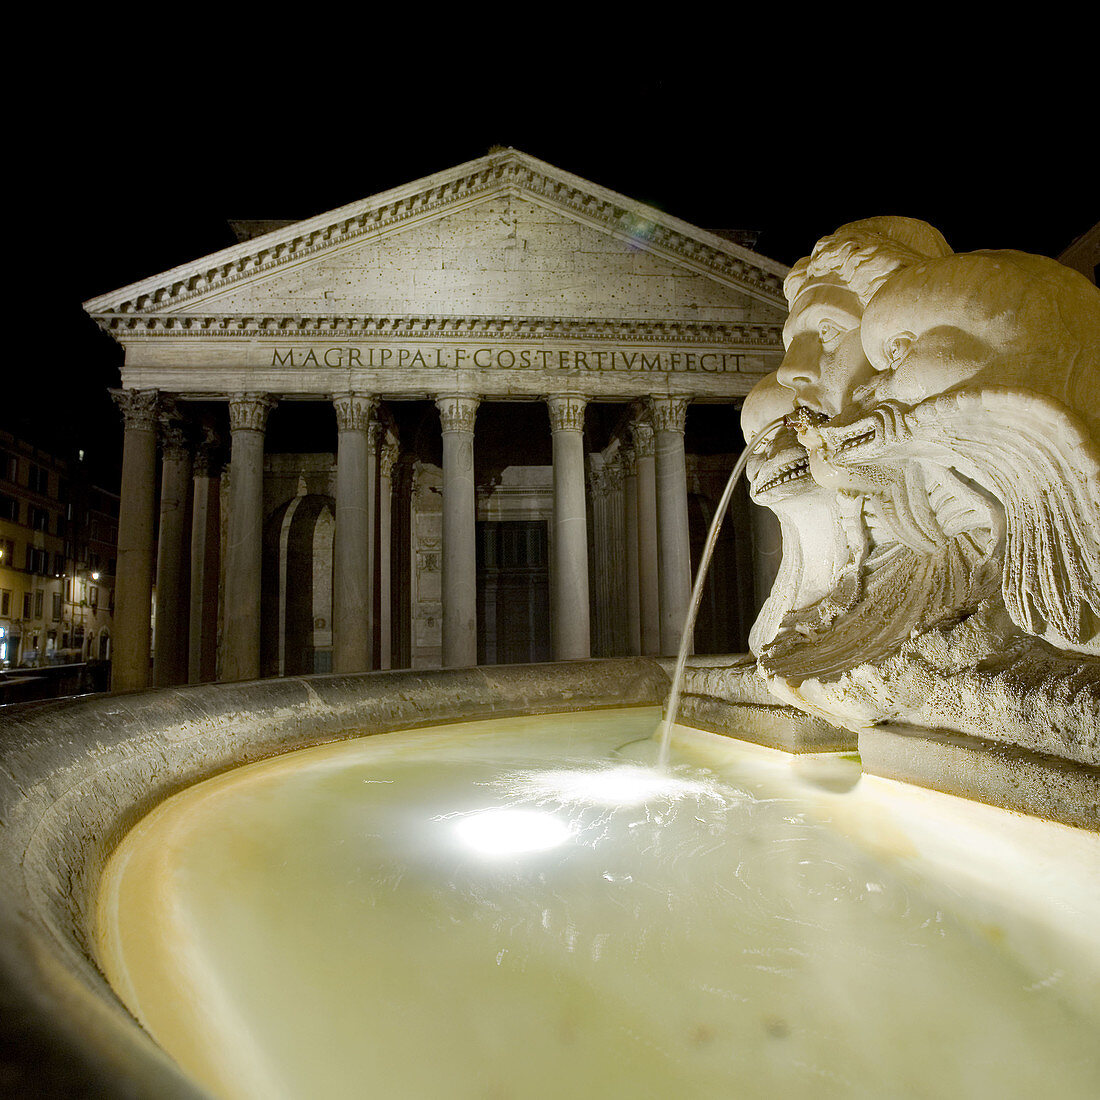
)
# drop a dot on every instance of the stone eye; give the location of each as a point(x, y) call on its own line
point(829, 333)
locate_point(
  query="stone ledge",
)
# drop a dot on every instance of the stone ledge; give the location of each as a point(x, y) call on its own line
point(726, 695)
point(773, 725)
point(985, 771)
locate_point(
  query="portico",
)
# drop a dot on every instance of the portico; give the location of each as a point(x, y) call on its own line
point(376, 341)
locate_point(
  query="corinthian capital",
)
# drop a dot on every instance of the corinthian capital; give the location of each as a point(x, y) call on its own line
point(613, 474)
point(209, 458)
point(669, 413)
point(138, 408)
point(248, 411)
point(642, 432)
point(388, 456)
point(172, 432)
point(566, 412)
point(457, 414)
point(174, 444)
point(354, 411)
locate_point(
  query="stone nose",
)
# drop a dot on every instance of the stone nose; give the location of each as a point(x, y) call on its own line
point(766, 401)
point(801, 365)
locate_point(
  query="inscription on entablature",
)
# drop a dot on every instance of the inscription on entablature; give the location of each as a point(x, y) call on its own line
point(488, 358)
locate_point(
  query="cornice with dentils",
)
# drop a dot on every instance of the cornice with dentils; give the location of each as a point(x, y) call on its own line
point(312, 326)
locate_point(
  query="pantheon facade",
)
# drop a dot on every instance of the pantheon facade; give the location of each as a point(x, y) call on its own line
point(482, 417)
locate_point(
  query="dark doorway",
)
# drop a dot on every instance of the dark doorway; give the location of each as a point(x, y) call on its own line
point(513, 592)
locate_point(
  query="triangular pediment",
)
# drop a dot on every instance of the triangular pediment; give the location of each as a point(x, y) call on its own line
point(506, 235)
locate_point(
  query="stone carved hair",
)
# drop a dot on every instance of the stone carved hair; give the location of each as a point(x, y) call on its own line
point(864, 254)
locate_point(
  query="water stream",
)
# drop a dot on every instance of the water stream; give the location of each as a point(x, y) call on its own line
point(664, 730)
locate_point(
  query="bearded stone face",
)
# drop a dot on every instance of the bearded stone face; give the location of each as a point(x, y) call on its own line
point(959, 466)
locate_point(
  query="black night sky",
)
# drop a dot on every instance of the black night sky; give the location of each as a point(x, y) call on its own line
point(141, 165)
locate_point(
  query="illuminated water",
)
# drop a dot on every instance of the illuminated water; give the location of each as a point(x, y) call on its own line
point(512, 909)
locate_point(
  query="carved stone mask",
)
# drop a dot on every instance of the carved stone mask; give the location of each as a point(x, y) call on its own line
point(961, 465)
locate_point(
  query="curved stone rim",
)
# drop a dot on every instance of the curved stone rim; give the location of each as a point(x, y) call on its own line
point(76, 775)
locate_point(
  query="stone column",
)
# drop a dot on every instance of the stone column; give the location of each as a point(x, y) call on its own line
point(244, 536)
point(648, 584)
point(401, 522)
point(351, 590)
point(673, 537)
point(170, 648)
point(386, 461)
point(457, 414)
point(616, 554)
point(598, 564)
point(569, 612)
point(202, 658)
point(134, 563)
point(374, 437)
point(630, 533)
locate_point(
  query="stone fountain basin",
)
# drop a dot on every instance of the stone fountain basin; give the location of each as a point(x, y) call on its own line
point(76, 775)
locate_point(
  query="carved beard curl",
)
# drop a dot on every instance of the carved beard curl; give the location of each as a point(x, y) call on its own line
point(987, 497)
point(982, 501)
point(1037, 462)
point(861, 574)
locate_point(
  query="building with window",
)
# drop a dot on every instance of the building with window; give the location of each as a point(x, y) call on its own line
point(58, 535)
point(482, 417)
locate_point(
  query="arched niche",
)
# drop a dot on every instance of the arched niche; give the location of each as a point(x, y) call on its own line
point(296, 600)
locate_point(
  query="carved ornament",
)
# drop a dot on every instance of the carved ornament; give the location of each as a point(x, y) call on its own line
point(175, 446)
point(939, 499)
point(746, 336)
point(613, 476)
point(138, 407)
point(566, 412)
point(173, 431)
point(248, 411)
point(354, 411)
point(669, 414)
point(457, 414)
point(644, 443)
point(387, 458)
point(209, 454)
